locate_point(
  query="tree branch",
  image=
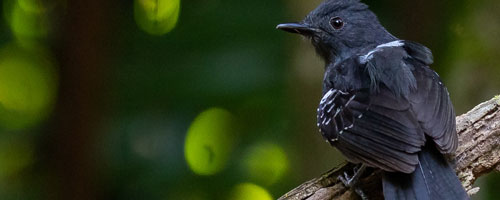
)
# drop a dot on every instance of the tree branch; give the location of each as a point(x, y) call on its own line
point(478, 153)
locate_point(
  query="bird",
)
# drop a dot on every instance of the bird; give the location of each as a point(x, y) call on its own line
point(382, 105)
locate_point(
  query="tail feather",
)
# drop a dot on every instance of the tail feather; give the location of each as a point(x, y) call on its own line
point(433, 179)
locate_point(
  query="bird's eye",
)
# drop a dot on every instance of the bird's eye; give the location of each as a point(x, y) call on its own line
point(337, 23)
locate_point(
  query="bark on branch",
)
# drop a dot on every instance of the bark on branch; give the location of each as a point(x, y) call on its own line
point(478, 153)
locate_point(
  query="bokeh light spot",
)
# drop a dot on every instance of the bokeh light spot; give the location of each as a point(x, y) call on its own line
point(27, 19)
point(33, 5)
point(266, 163)
point(209, 141)
point(27, 88)
point(156, 17)
point(249, 191)
point(15, 154)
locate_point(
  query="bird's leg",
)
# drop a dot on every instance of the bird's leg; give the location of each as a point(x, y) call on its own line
point(352, 181)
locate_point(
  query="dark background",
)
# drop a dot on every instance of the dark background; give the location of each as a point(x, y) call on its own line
point(200, 99)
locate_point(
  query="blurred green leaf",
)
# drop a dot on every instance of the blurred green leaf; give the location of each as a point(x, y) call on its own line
point(249, 191)
point(15, 155)
point(210, 141)
point(28, 87)
point(156, 17)
point(28, 20)
point(266, 163)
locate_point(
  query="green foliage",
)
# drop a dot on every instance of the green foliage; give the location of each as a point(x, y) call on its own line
point(156, 17)
point(249, 191)
point(29, 20)
point(28, 87)
point(210, 141)
point(15, 155)
point(266, 163)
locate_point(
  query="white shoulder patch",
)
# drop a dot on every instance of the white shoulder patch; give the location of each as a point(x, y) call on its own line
point(364, 59)
point(396, 43)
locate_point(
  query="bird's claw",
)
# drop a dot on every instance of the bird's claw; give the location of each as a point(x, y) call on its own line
point(346, 180)
point(352, 181)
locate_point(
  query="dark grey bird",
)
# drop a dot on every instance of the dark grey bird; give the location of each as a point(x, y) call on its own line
point(382, 105)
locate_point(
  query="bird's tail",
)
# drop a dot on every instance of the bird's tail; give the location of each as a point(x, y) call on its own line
point(433, 179)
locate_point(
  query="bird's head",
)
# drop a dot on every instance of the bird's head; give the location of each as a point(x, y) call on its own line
point(340, 28)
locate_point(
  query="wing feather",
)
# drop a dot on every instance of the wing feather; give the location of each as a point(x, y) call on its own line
point(434, 110)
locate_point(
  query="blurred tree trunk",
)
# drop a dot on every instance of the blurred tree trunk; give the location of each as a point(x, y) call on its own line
point(83, 52)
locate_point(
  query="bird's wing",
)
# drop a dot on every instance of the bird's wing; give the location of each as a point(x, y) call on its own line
point(431, 102)
point(385, 124)
point(433, 108)
point(378, 130)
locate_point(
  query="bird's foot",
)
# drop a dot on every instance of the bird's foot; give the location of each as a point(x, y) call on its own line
point(352, 181)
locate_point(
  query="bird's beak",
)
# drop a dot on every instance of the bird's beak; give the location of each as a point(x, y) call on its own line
point(299, 28)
